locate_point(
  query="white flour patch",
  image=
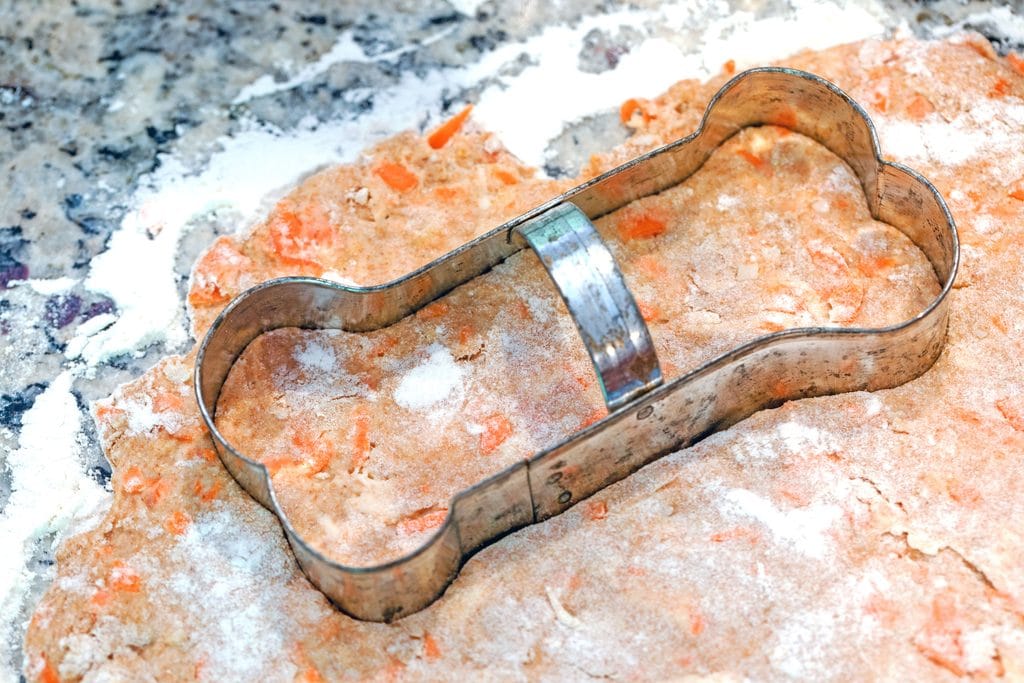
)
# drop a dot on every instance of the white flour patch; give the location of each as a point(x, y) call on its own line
point(727, 202)
point(804, 529)
point(802, 439)
point(50, 492)
point(428, 384)
point(142, 418)
point(796, 439)
point(48, 287)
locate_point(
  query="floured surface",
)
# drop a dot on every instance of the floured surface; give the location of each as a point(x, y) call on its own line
point(368, 436)
point(845, 537)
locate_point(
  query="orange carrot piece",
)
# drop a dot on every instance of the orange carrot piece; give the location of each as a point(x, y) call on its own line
point(1016, 62)
point(757, 161)
point(874, 266)
point(595, 416)
point(207, 454)
point(1011, 414)
point(630, 107)
point(177, 523)
point(919, 108)
point(217, 273)
point(596, 510)
point(317, 454)
point(497, 429)
point(396, 176)
point(383, 345)
point(443, 133)
point(48, 673)
point(697, 623)
point(430, 519)
point(729, 67)
point(730, 534)
point(206, 494)
point(1017, 190)
point(505, 177)
point(431, 650)
point(433, 310)
point(100, 598)
point(1001, 88)
point(274, 464)
point(123, 578)
point(627, 109)
point(168, 401)
point(650, 312)
point(522, 310)
point(962, 493)
point(132, 481)
point(105, 411)
point(641, 225)
point(154, 492)
point(446, 194)
point(652, 266)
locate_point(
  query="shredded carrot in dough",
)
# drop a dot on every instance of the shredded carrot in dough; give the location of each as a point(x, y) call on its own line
point(919, 108)
point(505, 177)
point(123, 578)
point(396, 176)
point(177, 523)
point(596, 510)
point(1016, 62)
point(497, 429)
point(641, 225)
point(1001, 88)
point(430, 647)
point(757, 161)
point(48, 674)
point(630, 107)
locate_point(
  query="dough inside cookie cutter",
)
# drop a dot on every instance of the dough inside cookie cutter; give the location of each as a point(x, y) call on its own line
point(648, 418)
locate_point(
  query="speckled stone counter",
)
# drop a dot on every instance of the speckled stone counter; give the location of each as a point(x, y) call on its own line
point(97, 97)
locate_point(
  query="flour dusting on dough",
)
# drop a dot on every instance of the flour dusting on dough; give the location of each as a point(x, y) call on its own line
point(803, 528)
point(315, 357)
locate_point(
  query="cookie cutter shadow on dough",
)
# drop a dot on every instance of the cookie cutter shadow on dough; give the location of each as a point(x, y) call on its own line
point(647, 418)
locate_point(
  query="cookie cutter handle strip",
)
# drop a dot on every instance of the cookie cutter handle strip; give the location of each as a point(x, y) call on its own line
point(600, 303)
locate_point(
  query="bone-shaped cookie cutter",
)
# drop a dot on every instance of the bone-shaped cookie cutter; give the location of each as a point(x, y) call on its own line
point(647, 418)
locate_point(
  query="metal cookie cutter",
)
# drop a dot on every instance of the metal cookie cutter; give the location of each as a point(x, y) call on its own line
point(647, 418)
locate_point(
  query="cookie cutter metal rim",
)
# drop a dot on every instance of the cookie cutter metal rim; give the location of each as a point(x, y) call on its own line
point(386, 592)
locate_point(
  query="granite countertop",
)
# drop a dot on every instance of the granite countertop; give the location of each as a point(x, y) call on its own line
point(106, 104)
